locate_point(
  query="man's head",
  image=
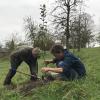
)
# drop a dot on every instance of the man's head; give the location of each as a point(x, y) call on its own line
point(36, 52)
point(58, 51)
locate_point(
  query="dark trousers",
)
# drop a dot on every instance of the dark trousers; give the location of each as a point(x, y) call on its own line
point(15, 62)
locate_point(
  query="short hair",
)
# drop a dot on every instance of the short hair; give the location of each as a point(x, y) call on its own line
point(57, 49)
point(37, 50)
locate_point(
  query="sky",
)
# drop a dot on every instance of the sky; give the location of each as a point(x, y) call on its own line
point(12, 13)
point(93, 8)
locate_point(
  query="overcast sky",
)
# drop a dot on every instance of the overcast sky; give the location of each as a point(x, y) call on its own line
point(12, 13)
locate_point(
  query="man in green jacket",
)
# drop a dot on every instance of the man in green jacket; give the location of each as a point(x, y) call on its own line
point(29, 56)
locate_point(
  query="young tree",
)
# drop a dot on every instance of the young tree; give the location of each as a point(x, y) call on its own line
point(43, 39)
point(43, 13)
point(42, 28)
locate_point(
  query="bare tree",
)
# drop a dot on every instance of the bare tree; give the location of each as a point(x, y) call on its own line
point(82, 30)
point(63, 13)
point(98, 38)
point(38, 35)
point(30, 28)
point(0, 45)
point(13, 41)
point(10, 45)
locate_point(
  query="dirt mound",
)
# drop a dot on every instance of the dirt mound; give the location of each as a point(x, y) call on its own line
point(27, 87)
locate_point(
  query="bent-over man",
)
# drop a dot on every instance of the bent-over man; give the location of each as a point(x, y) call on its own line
point(29, 56)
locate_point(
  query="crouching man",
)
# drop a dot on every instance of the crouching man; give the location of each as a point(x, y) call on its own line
point(68, 67)
point(29, 56)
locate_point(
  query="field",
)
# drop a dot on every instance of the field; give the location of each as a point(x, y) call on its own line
point(84, 89)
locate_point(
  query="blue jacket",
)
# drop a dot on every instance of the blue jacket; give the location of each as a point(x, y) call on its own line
point(71, 62)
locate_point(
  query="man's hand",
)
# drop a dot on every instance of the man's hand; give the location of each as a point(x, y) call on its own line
point(48, 69)
point(47, 62)
point(45, 69)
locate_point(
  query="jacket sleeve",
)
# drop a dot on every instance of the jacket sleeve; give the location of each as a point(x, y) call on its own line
point(65, 64)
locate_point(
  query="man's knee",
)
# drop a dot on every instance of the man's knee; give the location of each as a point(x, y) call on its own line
point(73, 75)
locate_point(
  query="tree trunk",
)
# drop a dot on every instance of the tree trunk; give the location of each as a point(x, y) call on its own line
point(79, 35)
point(67, 32)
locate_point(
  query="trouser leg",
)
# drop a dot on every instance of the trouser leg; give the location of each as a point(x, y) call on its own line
point(15, 62)
point(71, 74)
point(9, 76)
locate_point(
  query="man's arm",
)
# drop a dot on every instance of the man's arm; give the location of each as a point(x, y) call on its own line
point(56, 70)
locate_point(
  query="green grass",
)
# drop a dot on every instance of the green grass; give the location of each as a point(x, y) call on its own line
point(84, 89)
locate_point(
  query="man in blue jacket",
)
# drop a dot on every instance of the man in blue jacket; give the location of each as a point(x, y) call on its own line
point(68, 67)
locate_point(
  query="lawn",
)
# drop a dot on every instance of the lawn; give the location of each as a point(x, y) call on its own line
point(84, 89)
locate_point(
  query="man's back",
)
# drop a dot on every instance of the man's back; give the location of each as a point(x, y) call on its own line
point(74, 63)
point(23, 53)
